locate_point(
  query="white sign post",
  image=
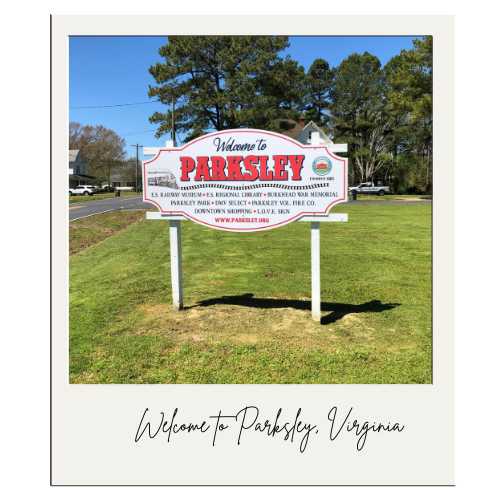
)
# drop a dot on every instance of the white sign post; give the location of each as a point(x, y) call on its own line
point(315, 273)
point(245, 180)
point(315, 259)
point(176, 263)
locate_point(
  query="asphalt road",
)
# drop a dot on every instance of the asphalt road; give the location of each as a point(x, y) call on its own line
point(84, 209)
point(388, 202)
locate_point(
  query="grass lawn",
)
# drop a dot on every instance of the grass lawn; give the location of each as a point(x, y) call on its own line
point(99, 196)
point(397, 197)
point(247, 316)
point(88, 231)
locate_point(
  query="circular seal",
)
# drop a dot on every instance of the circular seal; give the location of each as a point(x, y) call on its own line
point(322, 165)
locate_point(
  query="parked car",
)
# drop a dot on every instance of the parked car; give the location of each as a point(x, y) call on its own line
point(369, 188)
point(86, 190)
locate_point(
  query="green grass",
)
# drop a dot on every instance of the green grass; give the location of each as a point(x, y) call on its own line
point(88, 231)
point(248, 312)
point(99, 196)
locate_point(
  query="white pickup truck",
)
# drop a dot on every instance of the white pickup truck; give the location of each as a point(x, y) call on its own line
point(83, 189)
point(369, 188)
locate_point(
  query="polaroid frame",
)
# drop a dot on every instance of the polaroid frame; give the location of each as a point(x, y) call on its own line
point(93, 426)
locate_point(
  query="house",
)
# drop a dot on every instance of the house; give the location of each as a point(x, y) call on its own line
point(302, 132)
point(125, 175)
point(78, 170)
point(120, 179)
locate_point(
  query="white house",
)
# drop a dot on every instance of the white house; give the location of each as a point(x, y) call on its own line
point(76, 163)
point(78, 169)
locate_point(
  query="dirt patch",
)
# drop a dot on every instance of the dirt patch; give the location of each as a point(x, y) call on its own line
point(355, 326)
point(351, 320)
point(240, 325)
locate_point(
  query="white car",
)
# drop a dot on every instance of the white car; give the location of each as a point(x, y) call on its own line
point(83, 190)
point(369, 188)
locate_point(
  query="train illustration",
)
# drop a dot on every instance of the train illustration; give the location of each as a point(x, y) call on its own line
point(167, 179)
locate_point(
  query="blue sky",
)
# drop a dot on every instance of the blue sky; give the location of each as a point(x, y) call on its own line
point(114, 70)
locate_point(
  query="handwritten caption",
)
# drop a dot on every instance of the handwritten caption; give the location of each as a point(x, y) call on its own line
point(249, 420)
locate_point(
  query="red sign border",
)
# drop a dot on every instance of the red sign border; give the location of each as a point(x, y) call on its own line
point(239, 131)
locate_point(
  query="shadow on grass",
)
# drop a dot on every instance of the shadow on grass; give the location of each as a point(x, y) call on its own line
point(336, 310)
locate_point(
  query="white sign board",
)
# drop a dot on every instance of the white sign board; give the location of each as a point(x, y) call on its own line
point(245, 180)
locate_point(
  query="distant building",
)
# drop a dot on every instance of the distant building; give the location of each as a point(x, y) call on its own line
point(76, 162)
point(125, 175)
point(78, 169)
point(302, 132)
point(121, 179)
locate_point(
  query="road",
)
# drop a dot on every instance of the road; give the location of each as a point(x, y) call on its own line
point(389, 202)
point(84, 209)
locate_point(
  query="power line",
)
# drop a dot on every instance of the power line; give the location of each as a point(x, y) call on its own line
point(115, 105)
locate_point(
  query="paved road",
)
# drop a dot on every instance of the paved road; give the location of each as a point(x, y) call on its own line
point(388, 202)
point(84, 209)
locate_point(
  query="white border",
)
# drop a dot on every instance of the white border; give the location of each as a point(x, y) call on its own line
point(95, 447)
point(235, 229)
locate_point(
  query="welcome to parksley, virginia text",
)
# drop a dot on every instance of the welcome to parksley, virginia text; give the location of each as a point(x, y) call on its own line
point(250, 421)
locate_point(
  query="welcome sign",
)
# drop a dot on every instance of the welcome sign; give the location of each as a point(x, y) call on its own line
point(245, 180)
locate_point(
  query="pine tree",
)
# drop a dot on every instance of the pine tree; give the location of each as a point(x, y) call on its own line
point(319, 90)
point(222, 82)
point(409, 105)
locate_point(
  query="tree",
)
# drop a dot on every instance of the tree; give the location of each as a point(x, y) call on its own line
point(409, 104)
point(101, 147)
point(76, 133)
point(221, 82)
point(281, 95)
point(129, 171)
point(358, 113)
point(319, 90)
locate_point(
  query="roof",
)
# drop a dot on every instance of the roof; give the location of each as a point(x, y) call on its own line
point(317, 128)
point(297, 131)
point(73, 154)
point(290, 128)
point(81, 177)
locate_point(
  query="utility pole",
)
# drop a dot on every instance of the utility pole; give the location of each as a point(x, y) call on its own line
point(136, 146)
